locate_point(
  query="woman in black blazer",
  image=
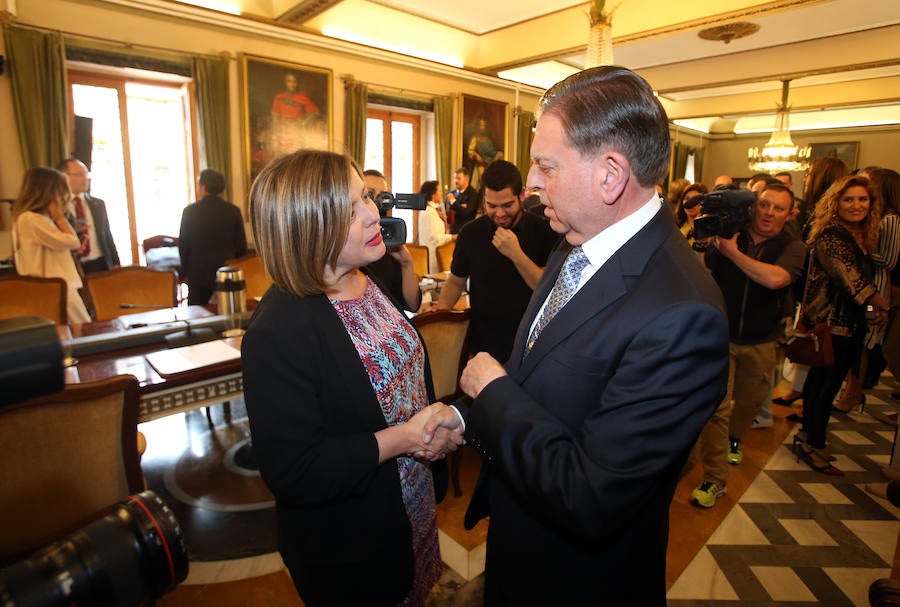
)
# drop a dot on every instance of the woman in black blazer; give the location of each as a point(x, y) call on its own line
point(337, 391)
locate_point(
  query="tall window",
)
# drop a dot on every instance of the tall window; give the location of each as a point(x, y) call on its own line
point(141, 154)
point(393, 147)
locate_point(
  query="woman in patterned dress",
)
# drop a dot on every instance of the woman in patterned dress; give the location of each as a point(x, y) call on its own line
point(843, 232)
point(337, 389)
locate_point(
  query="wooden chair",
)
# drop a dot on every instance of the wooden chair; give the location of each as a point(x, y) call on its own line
point(444, 332)
point(258, 282)
point(136, 285)
point(66, 459)
point(419, 255)
point(445, 255)
point(34, 296)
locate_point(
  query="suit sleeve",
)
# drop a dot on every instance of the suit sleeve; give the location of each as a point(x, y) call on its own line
point(658, 389)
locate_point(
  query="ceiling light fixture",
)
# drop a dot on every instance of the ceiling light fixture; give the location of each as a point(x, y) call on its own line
point(780, 153)
point(729, 32)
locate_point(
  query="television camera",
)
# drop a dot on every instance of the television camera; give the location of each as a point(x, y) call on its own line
point(724, 212)
point(393, 229)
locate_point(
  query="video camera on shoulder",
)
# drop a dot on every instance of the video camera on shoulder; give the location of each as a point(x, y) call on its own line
point(724, 212)
point(393, 229)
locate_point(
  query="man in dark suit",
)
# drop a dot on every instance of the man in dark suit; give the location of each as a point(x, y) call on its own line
point(465, 201)
point(88, 216)
point(212, 230)
point(585, 430)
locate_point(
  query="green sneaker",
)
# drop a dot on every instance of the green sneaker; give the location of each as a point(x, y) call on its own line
point(706, 494)
point(735, 455)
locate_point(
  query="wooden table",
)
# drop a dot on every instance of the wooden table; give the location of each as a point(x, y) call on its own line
point(177, 392)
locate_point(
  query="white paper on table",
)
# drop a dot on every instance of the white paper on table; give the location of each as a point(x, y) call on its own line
point(179, 360)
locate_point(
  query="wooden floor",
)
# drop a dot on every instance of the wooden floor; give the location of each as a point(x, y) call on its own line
point(215, 584)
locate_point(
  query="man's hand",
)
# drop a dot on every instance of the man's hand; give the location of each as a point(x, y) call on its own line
point(727, 246)
point(507, 243)
point(481, 370)
point(402, 255)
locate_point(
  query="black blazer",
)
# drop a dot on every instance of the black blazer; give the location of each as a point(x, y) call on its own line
point(342, 527)
point(212, 231)
point(586, 436)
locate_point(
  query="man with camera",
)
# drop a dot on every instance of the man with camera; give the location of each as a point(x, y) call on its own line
point(502, 254)
point(395, 269)
point(754, 268)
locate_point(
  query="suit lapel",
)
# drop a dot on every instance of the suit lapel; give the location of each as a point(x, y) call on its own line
point(606, 286)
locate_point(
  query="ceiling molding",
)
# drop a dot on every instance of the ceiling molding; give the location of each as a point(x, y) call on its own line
point(306, 10)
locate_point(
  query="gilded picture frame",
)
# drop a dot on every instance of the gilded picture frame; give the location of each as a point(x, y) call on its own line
point(483, 134)
point(286, 106)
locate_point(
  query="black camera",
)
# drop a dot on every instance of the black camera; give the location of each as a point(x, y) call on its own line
point(724, 213)
point(132, 555)
point(393, 229)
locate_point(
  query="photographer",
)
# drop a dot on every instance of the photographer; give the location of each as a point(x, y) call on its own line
point(754, 268)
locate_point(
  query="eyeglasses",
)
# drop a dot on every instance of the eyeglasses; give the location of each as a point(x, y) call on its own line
point(79, 174)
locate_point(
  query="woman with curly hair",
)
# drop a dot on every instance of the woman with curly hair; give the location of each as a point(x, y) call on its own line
point(843, 232)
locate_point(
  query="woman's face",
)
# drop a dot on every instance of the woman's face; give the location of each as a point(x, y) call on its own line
point(692, 212)
point(436, 197)
point(853, 205)
point(364, 243)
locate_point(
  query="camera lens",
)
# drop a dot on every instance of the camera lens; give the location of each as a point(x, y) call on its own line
point(133, 554)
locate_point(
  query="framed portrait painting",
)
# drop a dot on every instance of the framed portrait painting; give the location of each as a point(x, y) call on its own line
point(286, 107)
point(483, 127)
point(848, 151)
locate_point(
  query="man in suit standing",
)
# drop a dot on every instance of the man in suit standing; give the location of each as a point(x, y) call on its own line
point(465, 201)
point(585, 430)
point(88, 215)
point(212, 230)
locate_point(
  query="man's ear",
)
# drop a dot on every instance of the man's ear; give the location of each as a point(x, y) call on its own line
point(613, 172)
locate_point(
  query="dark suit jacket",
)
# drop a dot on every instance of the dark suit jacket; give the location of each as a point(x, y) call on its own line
point(343, 530)
point(465, 208)
point(101, 225)
point(586, 436)
point(212, 231)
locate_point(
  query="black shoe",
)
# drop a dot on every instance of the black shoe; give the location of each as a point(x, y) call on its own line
point(786, 402)
point(793, 417)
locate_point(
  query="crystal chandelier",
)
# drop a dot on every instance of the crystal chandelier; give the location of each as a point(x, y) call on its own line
point(780, 153)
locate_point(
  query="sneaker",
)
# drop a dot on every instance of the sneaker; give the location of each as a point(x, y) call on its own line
point(706, 494)
point(735, 455)
point(762, 422)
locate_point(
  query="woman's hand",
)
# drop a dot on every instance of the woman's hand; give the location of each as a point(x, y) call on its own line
point(881, 309)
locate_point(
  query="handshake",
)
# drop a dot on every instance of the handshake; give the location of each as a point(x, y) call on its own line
point(434, 432)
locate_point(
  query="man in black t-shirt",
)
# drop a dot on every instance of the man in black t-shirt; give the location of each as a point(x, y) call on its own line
point(502, 254)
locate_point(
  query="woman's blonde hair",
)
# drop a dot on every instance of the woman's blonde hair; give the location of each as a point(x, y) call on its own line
point(827, 210)
point(300, 213)
point(40, 187)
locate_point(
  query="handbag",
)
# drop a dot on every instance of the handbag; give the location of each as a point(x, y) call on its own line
point(810, 346)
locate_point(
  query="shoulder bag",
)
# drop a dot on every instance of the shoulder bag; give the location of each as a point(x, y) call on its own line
point(810, 345)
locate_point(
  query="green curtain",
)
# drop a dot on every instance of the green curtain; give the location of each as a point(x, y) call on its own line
point(523, 142)
point(443, 140)
point(37, 71)
point(698, 164)
point(213, 112)
point(680, 155)
point(355, 106)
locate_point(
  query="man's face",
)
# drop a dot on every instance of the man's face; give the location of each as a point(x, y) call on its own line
point(375, 185)
point(769, 214)
point(504, 208)
point(78, 177)
point(569, 184)
point(461, 181)
point(290, 82)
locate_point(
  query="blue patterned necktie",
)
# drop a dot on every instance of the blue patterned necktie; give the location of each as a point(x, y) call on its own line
point(563, 289)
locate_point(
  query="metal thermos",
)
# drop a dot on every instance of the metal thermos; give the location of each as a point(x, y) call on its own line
point(231, 293)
